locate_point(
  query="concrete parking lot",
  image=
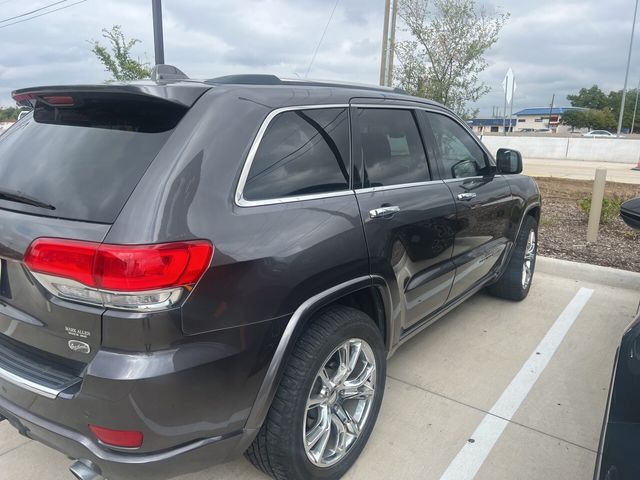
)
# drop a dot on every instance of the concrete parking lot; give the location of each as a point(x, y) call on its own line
point(459, 374)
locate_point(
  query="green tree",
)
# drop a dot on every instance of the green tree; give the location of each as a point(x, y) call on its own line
point(445, 56)
point(615, 99)
point(574, 119)
point(600, 119)
point(592, 119)
point(9, 114)
point(590, 98)
point(120, 63)
point(595, 99)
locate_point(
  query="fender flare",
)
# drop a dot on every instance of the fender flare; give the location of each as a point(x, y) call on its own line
point(294, 327)
point(526, 211)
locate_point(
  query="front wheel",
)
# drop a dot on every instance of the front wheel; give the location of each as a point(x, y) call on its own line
point(328, 401)
point(518, 274)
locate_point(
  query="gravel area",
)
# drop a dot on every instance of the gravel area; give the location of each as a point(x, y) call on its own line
point(563, 227)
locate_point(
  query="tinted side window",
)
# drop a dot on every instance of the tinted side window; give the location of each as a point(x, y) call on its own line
point(302, 152)
point(391, 147)
point(458, 152)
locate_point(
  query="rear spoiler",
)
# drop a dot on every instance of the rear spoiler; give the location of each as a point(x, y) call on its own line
point(184, 93)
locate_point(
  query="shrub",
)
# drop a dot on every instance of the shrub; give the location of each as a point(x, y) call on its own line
point(610, 208)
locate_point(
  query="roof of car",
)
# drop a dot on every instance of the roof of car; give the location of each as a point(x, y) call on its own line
point(165, 78)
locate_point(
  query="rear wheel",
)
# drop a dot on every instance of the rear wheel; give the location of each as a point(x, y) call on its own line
point(328, 400)
point(518, 275)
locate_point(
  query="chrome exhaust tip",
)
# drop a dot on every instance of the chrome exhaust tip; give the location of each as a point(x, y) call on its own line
point(85, 470)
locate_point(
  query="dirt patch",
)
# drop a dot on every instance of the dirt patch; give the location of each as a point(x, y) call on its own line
point(563, 227)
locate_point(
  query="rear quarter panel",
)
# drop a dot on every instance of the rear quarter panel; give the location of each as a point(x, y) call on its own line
point(268, 259)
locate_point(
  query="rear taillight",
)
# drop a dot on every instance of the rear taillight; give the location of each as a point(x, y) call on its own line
point(139, 277)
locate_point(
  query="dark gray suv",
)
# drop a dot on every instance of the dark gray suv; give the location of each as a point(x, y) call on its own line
point(190, 270)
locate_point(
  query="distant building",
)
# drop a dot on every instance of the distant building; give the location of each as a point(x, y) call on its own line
point(491, 125)
point(533, 119)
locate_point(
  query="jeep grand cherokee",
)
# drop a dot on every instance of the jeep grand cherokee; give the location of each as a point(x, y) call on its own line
point(190, 270)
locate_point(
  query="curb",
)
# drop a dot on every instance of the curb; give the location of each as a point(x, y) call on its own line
point(612, 277)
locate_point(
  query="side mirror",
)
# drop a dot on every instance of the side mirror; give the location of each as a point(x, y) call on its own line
point(509, 161)
point(630, 213)
point(465, 168)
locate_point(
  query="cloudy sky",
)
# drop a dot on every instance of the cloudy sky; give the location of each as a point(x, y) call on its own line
point(553, 46)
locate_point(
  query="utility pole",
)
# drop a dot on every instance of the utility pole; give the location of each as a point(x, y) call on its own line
point(392, 43)
point(504, 113)
point(626, 77)
point(513, 92)
point(633, 122)
point(158, 40)
point(553, 99)
point(385, 42)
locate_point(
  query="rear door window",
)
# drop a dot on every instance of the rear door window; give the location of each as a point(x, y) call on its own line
point(303, 152)
point(391, 147)
point(84, 155)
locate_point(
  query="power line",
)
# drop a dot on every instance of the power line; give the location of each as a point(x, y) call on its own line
point(321, 38)
point(33, 11)
point(43, 14)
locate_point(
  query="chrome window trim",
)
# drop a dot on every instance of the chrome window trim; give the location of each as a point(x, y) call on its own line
point(244, 175)
point(243, 202)
point(475, 177)
point(438, 112)
point(397, 186)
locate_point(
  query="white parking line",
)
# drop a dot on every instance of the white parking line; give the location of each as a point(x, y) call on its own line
point(471, 457)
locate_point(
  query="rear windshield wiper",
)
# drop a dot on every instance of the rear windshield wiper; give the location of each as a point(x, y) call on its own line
point(19, 197)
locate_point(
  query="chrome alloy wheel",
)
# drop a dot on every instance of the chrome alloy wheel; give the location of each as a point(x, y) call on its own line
point(339, 402)
point(529, 259)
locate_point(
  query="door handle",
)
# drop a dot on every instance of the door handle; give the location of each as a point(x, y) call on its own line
point(465, 197)
point(383, 211)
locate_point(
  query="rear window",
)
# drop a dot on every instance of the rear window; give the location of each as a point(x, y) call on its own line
point(86, 156)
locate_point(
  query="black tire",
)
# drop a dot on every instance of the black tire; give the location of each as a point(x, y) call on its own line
point(510, 285)
point(278, 449)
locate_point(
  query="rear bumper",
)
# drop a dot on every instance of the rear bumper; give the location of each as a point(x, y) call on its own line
point(191, 403)
point(116, 465)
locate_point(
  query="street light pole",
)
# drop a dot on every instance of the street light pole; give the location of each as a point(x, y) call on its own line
point(626, 77)
point(158, 40)
point(385, 43)
point(635, 109)
point(392, 43)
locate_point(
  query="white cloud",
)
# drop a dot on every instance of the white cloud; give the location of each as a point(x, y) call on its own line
point(553, 47)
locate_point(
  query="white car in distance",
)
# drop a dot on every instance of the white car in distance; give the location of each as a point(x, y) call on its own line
point(599, 133)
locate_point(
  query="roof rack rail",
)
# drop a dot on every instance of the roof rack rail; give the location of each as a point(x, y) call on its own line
point(267, 79)
point(338, 83)
point(247, 79)
point(166, 73)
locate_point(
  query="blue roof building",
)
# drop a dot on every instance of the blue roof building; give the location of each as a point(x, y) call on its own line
point(545, 111)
